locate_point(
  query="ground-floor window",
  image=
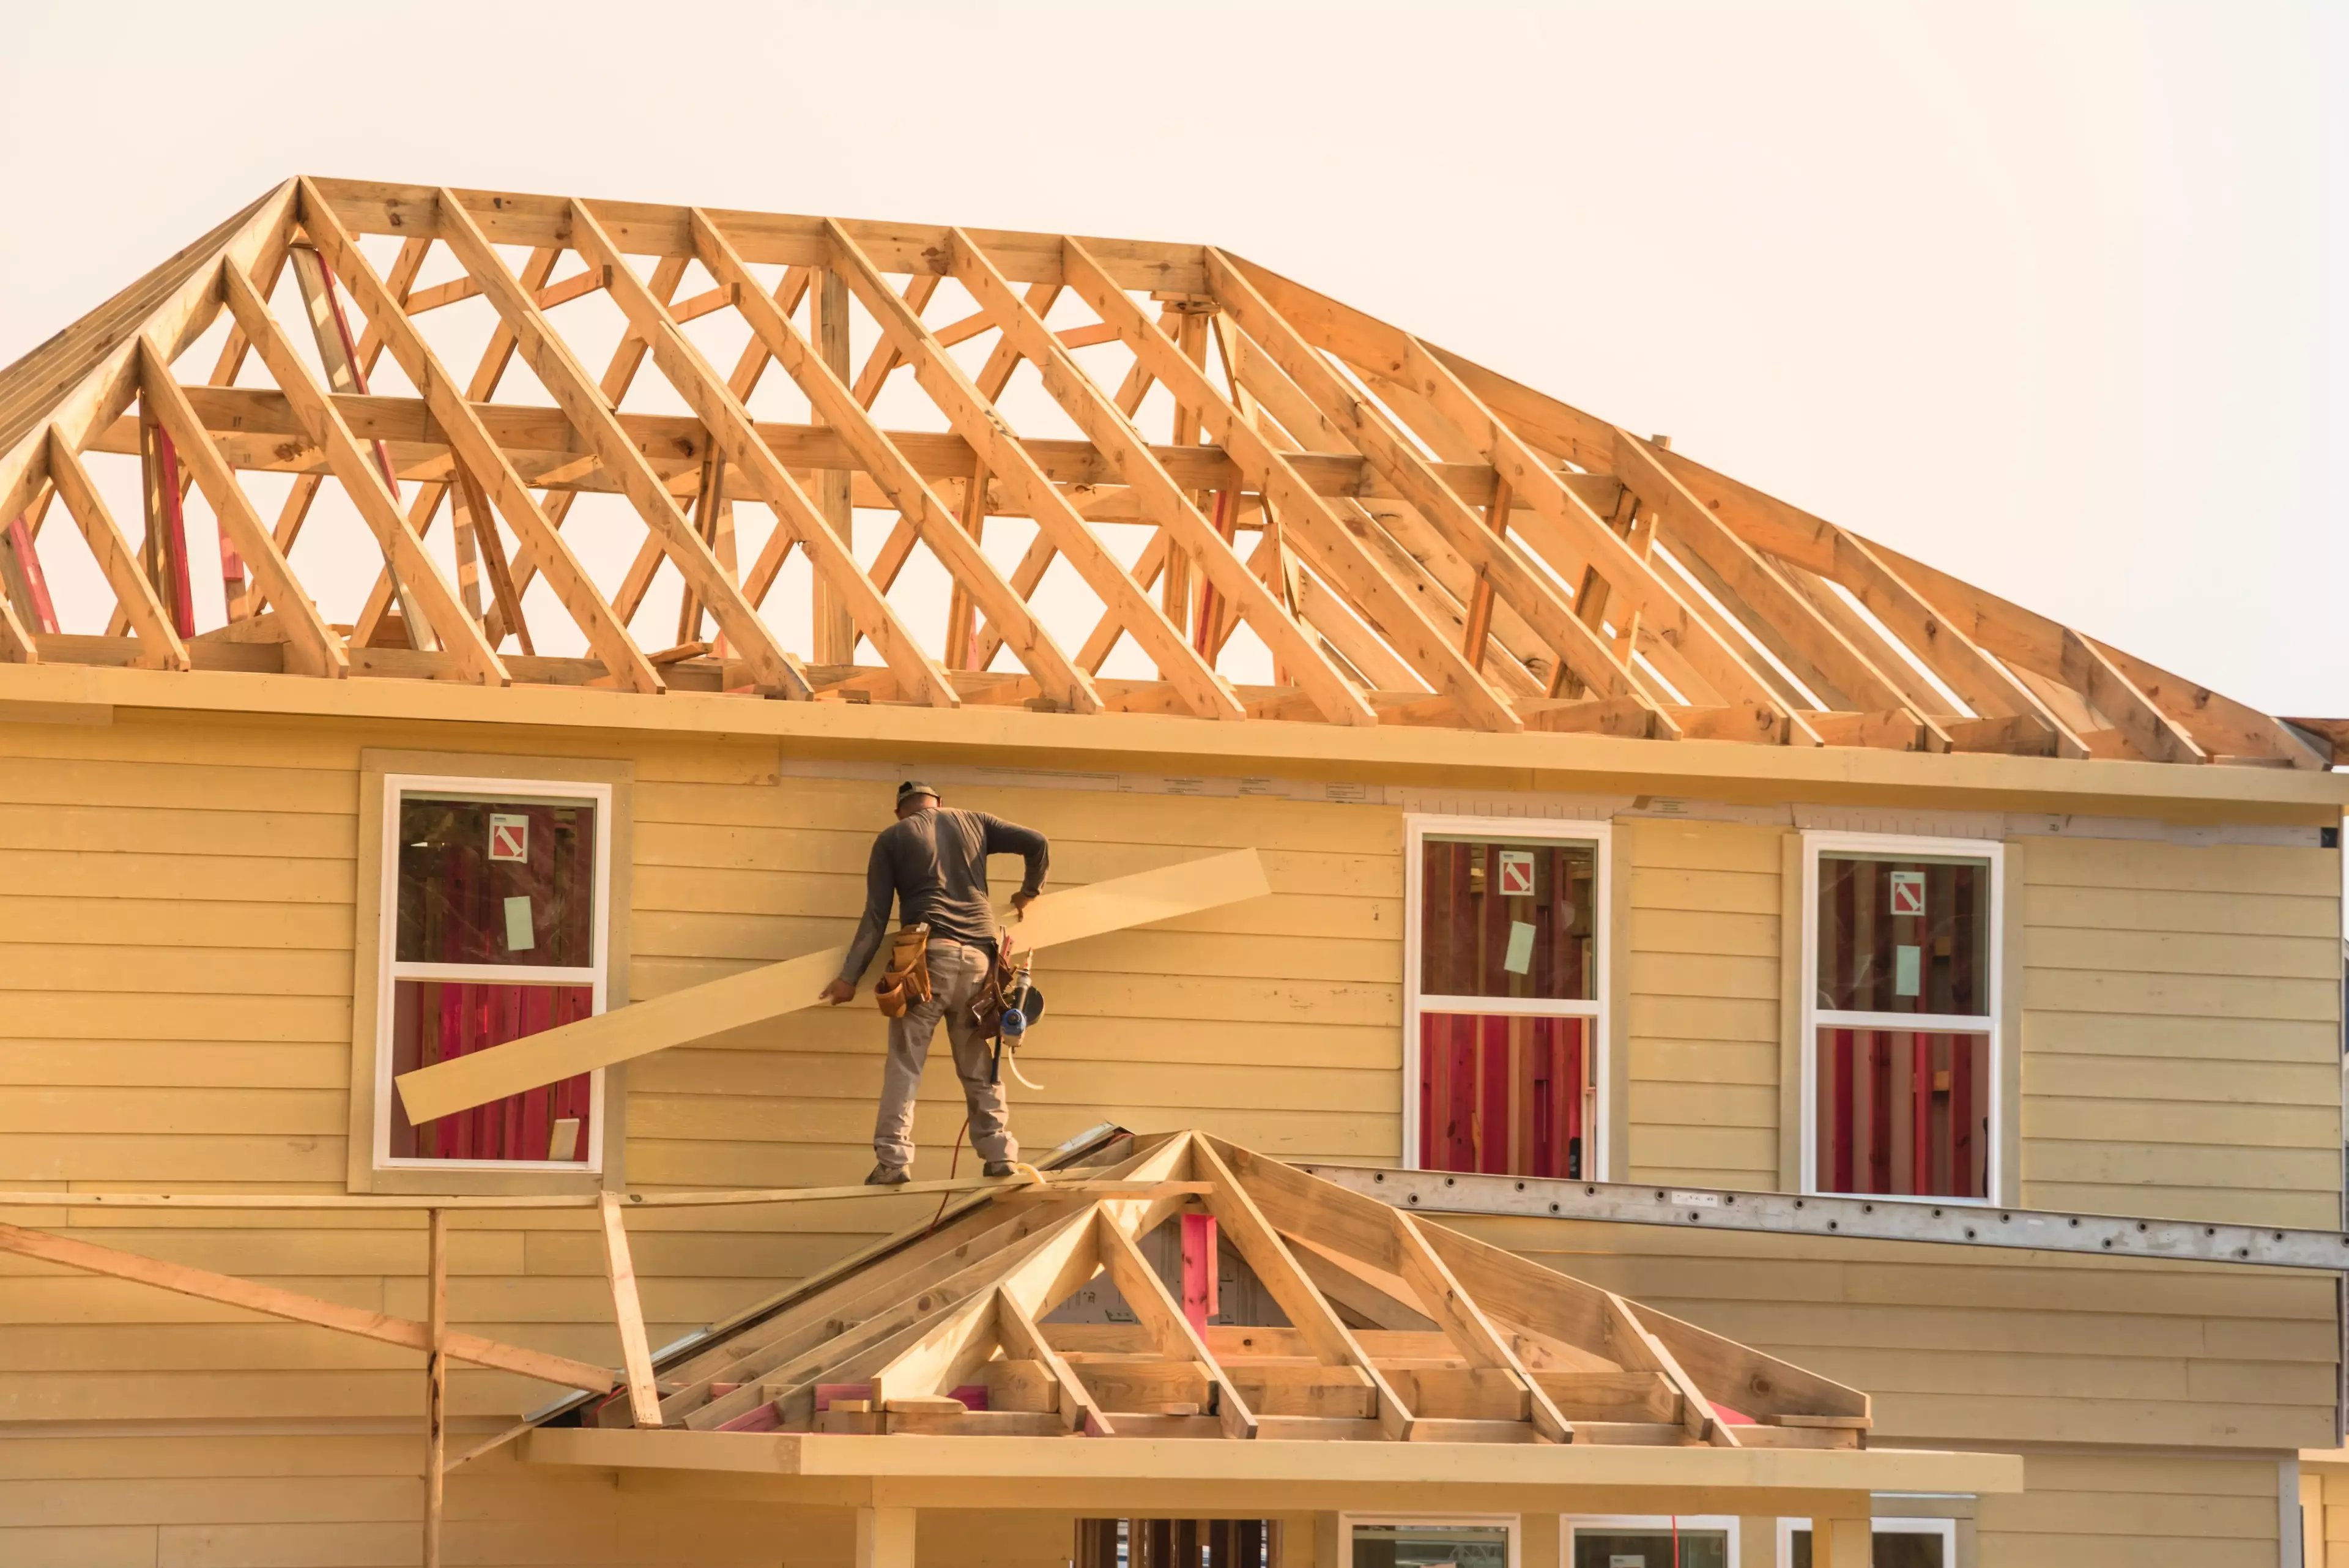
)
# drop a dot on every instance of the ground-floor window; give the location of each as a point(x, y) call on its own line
point(1655, 1541)
point(1429, 1542)
point(1893, 1543)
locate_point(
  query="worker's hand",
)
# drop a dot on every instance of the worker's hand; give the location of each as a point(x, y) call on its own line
point(1020, 902)
point(838, 992)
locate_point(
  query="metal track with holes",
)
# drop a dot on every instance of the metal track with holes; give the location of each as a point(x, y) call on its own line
point(1864, 1219)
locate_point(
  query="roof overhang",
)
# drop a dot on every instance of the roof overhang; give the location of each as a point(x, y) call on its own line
point(1142, 1472)
point(1019, 737)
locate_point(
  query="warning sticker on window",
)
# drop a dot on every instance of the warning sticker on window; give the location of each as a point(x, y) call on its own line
point(509, 837)
point(1517, 873)
point(1908, 892)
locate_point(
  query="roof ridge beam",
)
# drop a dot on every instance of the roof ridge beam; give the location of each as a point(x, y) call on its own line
point(1165, 504)
point(582, 403)
point(696, 380)
point(974, 418)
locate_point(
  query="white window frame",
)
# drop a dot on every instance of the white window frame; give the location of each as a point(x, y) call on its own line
point(1947, 1529)
point(1892, 846)
point(1512, 1522)
point(1571, 1523)
point(1417, 830)
point(388, 967)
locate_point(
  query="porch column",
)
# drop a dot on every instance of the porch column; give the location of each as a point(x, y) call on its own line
point(1842, 1535)
point(884, 1538)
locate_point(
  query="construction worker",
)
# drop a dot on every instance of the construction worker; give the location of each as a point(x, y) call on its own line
point(933, 864)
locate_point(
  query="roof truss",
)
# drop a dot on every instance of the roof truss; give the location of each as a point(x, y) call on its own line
point(1435, 545)
point(1397, 1329)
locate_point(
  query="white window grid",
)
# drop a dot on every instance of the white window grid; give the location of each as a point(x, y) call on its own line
point(390, 969)
point(1947, 1529)
point(1727, 1523)
point(1894, 847)
point(1509, 1521)
point(1417, 831)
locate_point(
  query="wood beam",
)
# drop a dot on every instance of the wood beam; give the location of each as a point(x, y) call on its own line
point(1163, 501)
point(582, 402)
point(1311, 524)
point(1162, 1317)
point(311, 645)
point(428, 589)
point(607, 638)
point(1444, 1299)
point(159, 645)
point(1530, 594)
point(1301, 1300)
point(954, 548)
point(629, 1313)
point(731, 429)
point(975, 419)
point(273, 1301)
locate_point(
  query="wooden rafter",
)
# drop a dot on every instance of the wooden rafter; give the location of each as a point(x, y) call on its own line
point(1438, 545)
point(948, 1332)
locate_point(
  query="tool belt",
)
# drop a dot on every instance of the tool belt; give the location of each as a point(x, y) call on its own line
point(906, 977)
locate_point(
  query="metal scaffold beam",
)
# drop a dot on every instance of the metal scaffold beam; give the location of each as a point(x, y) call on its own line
point(1945, 1223)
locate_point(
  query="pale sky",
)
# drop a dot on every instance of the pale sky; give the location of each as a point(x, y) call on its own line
point(2048, 295)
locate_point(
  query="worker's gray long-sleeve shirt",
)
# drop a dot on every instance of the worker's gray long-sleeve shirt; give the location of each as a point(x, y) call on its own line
point(933, 865)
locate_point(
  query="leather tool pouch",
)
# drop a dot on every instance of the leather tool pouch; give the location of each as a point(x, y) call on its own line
point(905, 978)
point(987, 1008)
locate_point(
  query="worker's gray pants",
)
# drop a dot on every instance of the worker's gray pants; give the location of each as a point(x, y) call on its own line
point(957, 975)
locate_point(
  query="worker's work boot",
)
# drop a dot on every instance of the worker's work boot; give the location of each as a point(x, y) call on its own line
point(887, 1176)
point(998, 1167)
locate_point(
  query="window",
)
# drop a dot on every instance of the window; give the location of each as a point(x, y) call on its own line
point(1652, 1542)
point(1375, 1543)
point(1901, 1015)
point(1504, 974)
point(1892, 1543)
point(495, 904)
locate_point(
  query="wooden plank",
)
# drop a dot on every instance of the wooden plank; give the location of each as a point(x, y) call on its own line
point(1022, 1338)
point(730, 424)
point(312, 645)
point(1314, 527)
point(629, 1313)
point(1744, 570)
point(547, 554)
point(1516, 581)
point(1432, 1281)
point(700, 1011)
point(1163, 501)
point(436, 1380)
point(1162, 1315)
point(1255, 1239)
point(159, 644)
point(363, 481)
point(905, 487)
point(582, 403)
point(1566, 530)
point(975, 420)
point(273, 1301)
point(1985, 684)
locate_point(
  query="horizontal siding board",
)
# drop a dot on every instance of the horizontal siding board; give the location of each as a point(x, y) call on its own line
point(2188, 912)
